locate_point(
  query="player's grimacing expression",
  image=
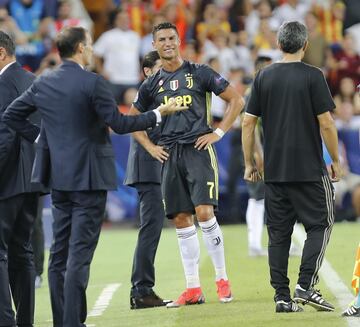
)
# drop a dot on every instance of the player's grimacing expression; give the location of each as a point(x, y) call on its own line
point(166, 42)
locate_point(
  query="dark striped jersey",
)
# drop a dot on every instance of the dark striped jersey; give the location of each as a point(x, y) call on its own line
point(192, 85)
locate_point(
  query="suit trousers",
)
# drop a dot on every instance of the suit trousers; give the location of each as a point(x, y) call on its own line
point(235, 172)
point(76, 228)
point(38, 242)
point(151, 222)
point(312, 204)
point(17, 215)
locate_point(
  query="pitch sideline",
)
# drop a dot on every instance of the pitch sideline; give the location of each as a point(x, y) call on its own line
point(103, 300)
point(332, 280)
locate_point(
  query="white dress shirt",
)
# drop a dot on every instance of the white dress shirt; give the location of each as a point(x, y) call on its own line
point(6, 67)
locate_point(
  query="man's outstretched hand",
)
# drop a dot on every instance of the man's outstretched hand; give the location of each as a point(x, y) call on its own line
point(171, 107)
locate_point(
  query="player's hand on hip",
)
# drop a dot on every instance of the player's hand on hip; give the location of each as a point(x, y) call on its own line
point(204, 141)
point(159, 153)
point(251, 174)
point(336, 172)
point(171, 107)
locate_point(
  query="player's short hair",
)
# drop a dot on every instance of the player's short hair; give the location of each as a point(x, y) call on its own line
point(68, 40)
point(164, 26)
point(7, 43)
point(292, 36)
point(150, 59)
point(211, 60)
point(261, 62)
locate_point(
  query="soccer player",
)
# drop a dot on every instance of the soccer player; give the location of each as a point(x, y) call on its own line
point(190, 174)
point(294, 101)
point(256, 207)
point(144, 173)
point(354, 308)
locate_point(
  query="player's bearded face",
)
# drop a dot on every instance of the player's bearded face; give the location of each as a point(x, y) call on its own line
point(167, 43)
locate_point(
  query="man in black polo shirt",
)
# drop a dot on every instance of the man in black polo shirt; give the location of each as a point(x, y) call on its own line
point(294, 102)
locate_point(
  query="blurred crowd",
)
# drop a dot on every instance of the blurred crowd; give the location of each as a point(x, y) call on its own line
point(226, 34)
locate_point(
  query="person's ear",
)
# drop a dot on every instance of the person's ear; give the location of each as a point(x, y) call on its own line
point(81, 47)
point(306, 44)
point(2, 53)
point(147, 71)
point(153, 44)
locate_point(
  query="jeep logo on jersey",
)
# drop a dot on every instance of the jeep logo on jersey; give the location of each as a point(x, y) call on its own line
point(185, 100)
point(174, 85)
point(189, 81)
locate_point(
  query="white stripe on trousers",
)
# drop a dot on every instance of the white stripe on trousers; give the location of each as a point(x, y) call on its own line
point(330, 219)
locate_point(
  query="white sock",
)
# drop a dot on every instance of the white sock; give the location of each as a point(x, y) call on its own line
point(190, 254)
point(357, 301)
point(214, 242)
point(255, 223)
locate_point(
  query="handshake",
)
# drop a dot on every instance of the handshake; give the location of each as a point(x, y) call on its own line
point(171, 107)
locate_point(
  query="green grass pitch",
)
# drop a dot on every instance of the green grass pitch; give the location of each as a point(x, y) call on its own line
point(252, 306)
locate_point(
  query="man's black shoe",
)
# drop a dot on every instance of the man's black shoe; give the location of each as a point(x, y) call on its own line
point(313, 298)
point(282, 306)
point(147, 301)
point(351, 312)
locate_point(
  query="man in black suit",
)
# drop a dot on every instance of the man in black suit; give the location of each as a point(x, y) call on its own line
point(144, 173)
point(18, 200)
point(76, 109)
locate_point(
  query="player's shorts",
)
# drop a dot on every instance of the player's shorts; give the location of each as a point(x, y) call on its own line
point(189, 178)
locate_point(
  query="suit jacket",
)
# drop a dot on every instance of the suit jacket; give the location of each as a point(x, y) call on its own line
point(16, 154)
point(42, 165)
point(76, 109)
point(141, 166)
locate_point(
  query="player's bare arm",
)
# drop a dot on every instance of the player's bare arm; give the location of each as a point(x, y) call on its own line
point(258, 151)
point(251, 173)
point(235, 105)
point(155, 151)
point(329, 134)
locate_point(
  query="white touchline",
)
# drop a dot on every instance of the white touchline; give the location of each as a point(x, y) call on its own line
point(331, 279)
point(103, 300)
